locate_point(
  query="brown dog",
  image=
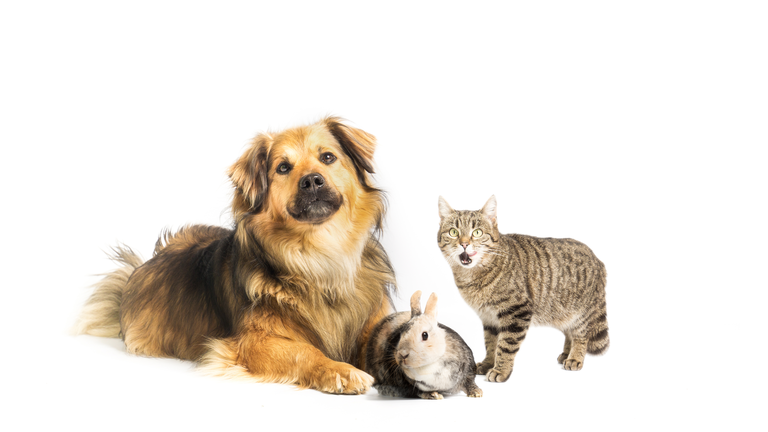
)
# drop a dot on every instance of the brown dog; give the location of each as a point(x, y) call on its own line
point(290, 294)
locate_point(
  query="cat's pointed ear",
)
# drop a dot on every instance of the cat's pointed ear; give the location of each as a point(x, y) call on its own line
point(489, 209)
point(445, 209)
point(431, 309)
point(416, 304)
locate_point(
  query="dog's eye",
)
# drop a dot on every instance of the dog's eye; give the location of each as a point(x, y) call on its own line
point(283, 168)
point(424, 336)
point(453, 232)
point(328, 158)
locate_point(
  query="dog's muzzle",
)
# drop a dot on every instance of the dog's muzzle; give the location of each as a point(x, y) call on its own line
point(315, 201)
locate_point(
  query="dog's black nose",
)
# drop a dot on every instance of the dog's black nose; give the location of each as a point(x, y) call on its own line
point(312, 181)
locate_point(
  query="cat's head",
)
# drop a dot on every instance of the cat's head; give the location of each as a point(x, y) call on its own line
point(467, 238)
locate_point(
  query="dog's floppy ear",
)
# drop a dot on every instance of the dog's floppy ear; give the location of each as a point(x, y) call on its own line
point(249, 176)
point(357, 144)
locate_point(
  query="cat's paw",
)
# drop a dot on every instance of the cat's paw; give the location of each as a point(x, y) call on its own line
point(482, 368)
point(561, 358)
point(432, 395)
point(572, 365)
point(495, 375)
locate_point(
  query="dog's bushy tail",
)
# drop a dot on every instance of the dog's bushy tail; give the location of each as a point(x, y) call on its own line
point(101, 314)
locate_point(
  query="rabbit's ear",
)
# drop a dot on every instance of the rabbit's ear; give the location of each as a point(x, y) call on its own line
point(431, 309)
point(416, 304)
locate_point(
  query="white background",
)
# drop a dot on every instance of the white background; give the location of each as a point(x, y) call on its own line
point(639, 129)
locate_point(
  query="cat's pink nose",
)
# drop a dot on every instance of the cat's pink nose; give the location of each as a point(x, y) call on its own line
point(464, 245)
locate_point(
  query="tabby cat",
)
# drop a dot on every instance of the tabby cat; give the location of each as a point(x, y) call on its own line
point(513, 281)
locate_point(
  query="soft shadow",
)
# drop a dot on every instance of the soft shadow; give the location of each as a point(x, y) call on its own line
point(115, 343)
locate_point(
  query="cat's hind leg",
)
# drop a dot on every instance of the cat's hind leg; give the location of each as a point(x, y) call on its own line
point(566, 349)
point(575, 359)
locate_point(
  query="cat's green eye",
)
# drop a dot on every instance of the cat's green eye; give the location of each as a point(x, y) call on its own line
point(477, 233)
point(453, 232)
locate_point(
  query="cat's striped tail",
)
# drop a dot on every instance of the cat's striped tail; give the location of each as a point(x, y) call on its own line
point(101, 313)
point(597, 336)
point(598, 339)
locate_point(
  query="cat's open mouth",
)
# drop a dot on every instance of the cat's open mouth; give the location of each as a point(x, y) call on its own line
point(466, 258)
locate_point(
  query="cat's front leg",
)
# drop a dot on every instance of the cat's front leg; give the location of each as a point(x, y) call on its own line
point(491, 334)
point(514, 323)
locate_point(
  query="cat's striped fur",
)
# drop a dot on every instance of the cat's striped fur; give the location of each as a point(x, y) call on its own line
point(513, 281)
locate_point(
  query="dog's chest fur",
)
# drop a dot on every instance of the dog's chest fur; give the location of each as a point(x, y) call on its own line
point(333, 309)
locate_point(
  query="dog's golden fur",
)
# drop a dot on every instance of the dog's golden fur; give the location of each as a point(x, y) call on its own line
point(290, 294)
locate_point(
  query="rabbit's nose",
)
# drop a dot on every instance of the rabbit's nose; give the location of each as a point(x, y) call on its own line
point(403, 355)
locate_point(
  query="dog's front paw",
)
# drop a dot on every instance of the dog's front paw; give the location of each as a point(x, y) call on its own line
point(343, 378)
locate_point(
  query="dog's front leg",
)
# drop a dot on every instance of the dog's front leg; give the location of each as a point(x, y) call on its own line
point(268, 358)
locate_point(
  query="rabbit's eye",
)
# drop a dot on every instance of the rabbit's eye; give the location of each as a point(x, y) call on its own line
point(424, 336)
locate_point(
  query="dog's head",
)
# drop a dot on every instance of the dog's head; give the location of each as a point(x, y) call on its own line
point(307, 176)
